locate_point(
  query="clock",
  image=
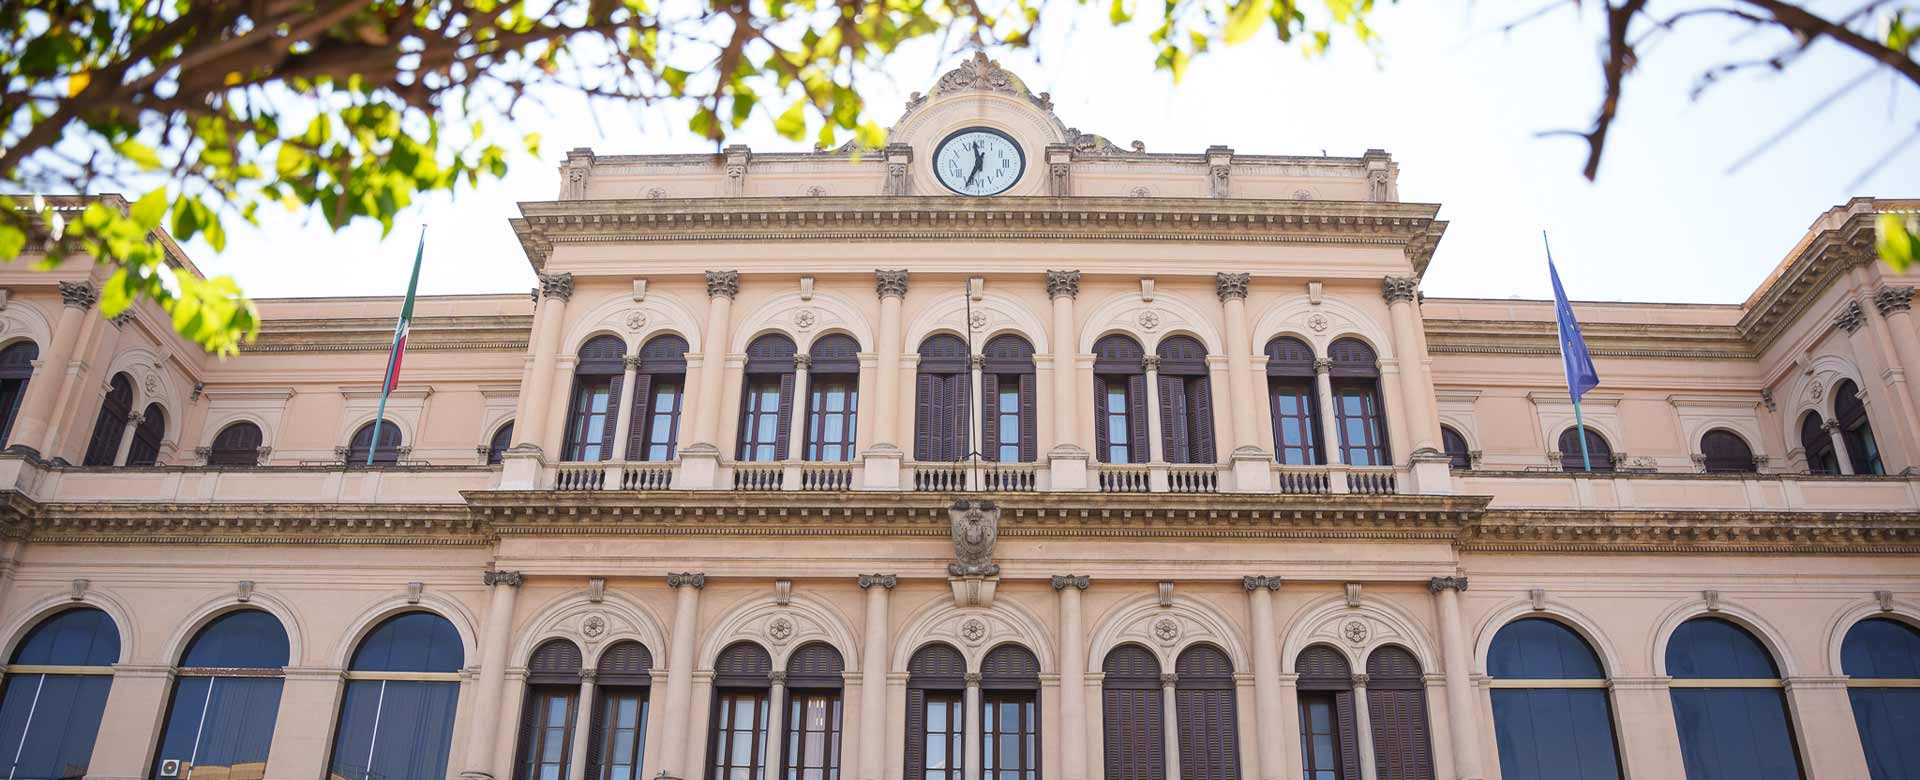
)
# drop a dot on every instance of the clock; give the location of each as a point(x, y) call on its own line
point(979, 161)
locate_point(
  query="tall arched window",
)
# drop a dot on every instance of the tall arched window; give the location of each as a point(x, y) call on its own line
point(386, 453)
point(660, 384)
point(1208, 716)
point(1119, 400)
point(498, 445)
point(16, 369)
point(833, 397)
point(766, 402)
point(145, 450)
point(1008, 415)
point(55, 691)
point(396, 715)
point(110, 423)
point(1186, 401)
point(1818, 446)
point(616, 745)
point(547, 719)
point(742, 687)
point(940, 405)
point(1551, 718)
point(226, 696)
point(812, 747)
point(1881, 658)
point(936, 714)
point(1598, 451)
point(237, 444)
point(595, 402)
point(1397, 709)
point(1010, 714)
point(1329, 734)
point(1728, 704)
point(1862, 449)
point(1294, 401)
point(1459, 455)
point(1133, 715)
point(1726, 452)
point(1356, 400)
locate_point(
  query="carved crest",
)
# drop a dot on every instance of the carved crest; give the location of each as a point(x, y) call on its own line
point(976, 526)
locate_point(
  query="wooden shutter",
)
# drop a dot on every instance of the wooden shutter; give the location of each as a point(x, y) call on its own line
point(1209, 724)
point(1173, 419)
point(1323, 668)
point(1345, 721)
point(815, 666)
point(1010, 667)
point(1140, 452)
point(1200, 412)
point(641, 416)
point(990, 416)
point(1726, 451)
point(237, 445)
point(556, 661)
point(1132, 715)
point(916, 752)
point(596, 723)
point(1029, 421)
point(934, 667)
point(785, 425)
point(1397, 708)
point(926, 422)
point(742, 664)
point(529, 718)
point(613, 416)
point(626, 663)
point(1100, 438)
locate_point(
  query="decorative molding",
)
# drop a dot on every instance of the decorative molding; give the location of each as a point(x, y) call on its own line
point(415, 590)
point(1255, 582)
point(891, 284)
point(886, 581)
point(783, 592)
point(1165, 590)
point(975, 529)
point(243, 592)
point(1537, 599)
point(1353, 595)
point(511, 579)
point(1075, 581)
point(557, 286)
point(1231, 286)
point(1360, 679)
point(1063, 283)
point(1169, 679)
point(972, 679)
point(1399, 289)
point(1322, 365)
point(695, 580)
point(723, 284)
point(80, 295)
point(1892, 299)
point(77, 589)
point(980, 74)
point(596, 589)
point(1438, 584)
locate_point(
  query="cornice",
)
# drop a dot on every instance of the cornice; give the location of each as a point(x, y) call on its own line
point(1713, 532)
point(1604, 339)
point(256, 523)
point(1409, 226)
point(369, 334)
point(1786, 295)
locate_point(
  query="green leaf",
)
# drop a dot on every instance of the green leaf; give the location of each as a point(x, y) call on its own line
point(138, 153)
point(1899, 240)
point(150, 209)
point(1245, 18)
point(792, 123)
point(13, 240)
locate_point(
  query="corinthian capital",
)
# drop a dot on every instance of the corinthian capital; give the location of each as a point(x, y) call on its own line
point(1231, 287)
point(1061, 283)
point(1398, 289)
point(1850, 318)
point(1890, 300)
point(890, 284)
point(78, 294)
point(557, 285)
point(723, 284)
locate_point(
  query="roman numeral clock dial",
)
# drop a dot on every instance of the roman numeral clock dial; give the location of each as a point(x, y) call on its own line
point(979, 161)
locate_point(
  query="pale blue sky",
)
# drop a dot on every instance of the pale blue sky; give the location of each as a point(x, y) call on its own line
point(1457, 103)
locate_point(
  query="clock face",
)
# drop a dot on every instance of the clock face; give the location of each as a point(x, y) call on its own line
point(979, 161)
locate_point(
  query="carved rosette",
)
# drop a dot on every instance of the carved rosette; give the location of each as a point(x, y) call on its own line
point(1438, 584)
point(690, 579)
point(890, 284)
point(557, 285)
point(1850, 318)
point(1063, 283)
point(80, 295)
point(1075, 581)
point(1356, 632)
point(723, 284)
point(510, 579)
point(1398, 289)
point(1231, 287)
point(1891, 300)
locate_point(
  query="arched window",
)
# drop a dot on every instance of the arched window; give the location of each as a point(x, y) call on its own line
point(396, 715)
point(1881, 657)
point(1728, 705)
point(1119, 400)
point(1133, 715)
point(1356, 400)
point(936, 746)
point(940, 405)
point(812, 747)
point(145, 450)
point(742, 684)
point(1295, 402)
point(16, 369)
point(1008, 413)
point(833, 397)
point(1186, 401)
point(1208, 717)
point(386, 454)
point(766, 402)
point(226, 696)
point(1818, 446)
point(1726, 452)
point(660, 385)
point(111, 423)
point(1329, 734)
point(616, 745)
point(498, 445)
point(1397, 709)
point(1010, 714)
point(1459, 455)
point(49, 716)
point(1862, 449)
point(1598, 451)
point(237, 444)
point(1551, 718)
point(595, 403)
point(548, 717)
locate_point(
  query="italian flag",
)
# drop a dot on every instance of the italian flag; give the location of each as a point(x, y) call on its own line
point(399, 350)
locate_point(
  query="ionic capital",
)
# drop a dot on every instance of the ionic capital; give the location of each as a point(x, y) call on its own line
point(1438, 584)
point(690, 579)
point(1260, 582)
point(510, 579)
point(885, 581)
point(1075, 581)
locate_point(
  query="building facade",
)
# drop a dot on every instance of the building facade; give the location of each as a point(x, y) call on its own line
point(999, 453)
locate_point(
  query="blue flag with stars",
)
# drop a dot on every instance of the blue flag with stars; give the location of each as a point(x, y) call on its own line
point(1573, 347)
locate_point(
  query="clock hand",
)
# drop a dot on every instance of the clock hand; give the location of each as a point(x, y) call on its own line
point(979, 159)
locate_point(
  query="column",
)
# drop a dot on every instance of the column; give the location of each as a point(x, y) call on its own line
point(776, 718)
point(1067, 461)
point(1329, 419)
point(873, 677)
point(623, 416)
point(309, 704)
point(1898, 390)
point(493, 673)
point(892, 288)
point(549, 319)
point(721, 287)
point(972, 737)
point(582, 727)
point(1155, 453)
point(1823, 721)
point(1840, 454)
point(1895, 303)
point(1073, 676)
point(126, 439)
point(1649, 736)
point(1423, 432)
point(130, 723)
point(976, 421)
point(1268, 714)
point(797, 432)
point(34, 423)
point(1463, 727)
point(1363, 728)
point(896, 728)
point(1170, 718)
point(1242, 389)
point(686, 613)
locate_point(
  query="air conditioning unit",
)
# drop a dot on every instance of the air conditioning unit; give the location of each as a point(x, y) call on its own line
point(170, 767)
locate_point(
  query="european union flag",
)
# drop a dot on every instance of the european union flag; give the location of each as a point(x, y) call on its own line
point(1573, 348)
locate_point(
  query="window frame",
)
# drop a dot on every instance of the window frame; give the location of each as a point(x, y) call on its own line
point(16, 374)
point(1007, 366)
point(1119, 371)
point(116, 407)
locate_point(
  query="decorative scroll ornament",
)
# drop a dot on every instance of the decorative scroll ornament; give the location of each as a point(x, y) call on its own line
point(1850, 318)
point(1438, 584)
point(1356, 632)
point(78, 294)
point(1075, 581)
point(976, 526)
point(692, 579)
point(636, 320)
point(1260, 581)
point(510, 579)
point(981, 74)
point(886, 581)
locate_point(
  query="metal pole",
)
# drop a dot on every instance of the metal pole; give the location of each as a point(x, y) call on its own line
point(1585, 459)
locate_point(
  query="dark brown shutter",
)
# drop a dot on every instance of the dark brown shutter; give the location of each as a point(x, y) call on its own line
point(1725, 451)
point(640, 416)
point(237, 445)
point(916, 752)
point(1010, 667)
point(1347, 722)
point(1139, 451)
point(1100, 438)
point(1353, 359)
point(1200, 413)
point(1289, 357)
point(926, 424)
point(743, 664)
point(529, 715)
point(1322, 668)
point(815, 666)
point(990, 416)
point(934, 667)
point(1132, 715)
point(613, 410)
point(1397, 708)
point(626, 663)
point(1029, 421)
point(597, 723)
point(780, 444)
point(1209, 723)
point(554, 661)
point(111, 421)
point(1173, 419)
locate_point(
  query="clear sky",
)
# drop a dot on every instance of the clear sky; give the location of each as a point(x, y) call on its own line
point(1459, 104)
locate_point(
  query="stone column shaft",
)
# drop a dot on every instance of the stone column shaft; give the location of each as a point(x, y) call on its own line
point(1363, 729)
point(1268, 715)
point(1155, 425)
point(1895, 304)
point(582, 728)
point(1422, 432)
point(892, 287)
point(797, 432)
point(126, 439)
point(1823, 721)
point(1170, 720)
point(130, 723)
point(1063, 286)
point(1840, 454)
point(686, 614)
point(974, 732)
point(1463, 726)
point(1073, 677)
point(494, 638)
point(549, 320)
point(721, 287)
point(1242, 388)
point(33, 426)
point(1329, 417)
point(977, 421)
point(623, 416)
point(873, 677)
point(770, 746)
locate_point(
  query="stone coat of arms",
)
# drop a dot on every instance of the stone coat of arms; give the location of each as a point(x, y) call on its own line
point(976, 526)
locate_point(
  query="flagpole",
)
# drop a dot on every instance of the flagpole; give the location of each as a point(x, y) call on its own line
point(1586, 460)
point(387, 378)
